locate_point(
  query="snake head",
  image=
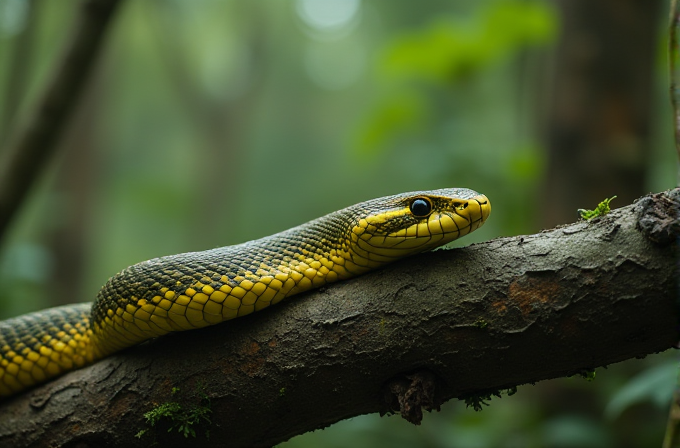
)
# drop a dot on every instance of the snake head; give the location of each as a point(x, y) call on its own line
point(397, 226)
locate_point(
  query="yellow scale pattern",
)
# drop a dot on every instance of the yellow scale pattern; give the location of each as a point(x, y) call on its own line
point(44, 345)
point(194, 290)
point(206, 302)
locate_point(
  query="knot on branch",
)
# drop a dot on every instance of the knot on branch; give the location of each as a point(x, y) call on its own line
point(659, 216)
point(410, 394)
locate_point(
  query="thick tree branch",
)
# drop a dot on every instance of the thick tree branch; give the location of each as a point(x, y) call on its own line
point(30, 147)
point(420, 332)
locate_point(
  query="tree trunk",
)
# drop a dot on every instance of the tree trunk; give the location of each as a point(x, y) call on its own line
point(600, 112)
point(434, 327)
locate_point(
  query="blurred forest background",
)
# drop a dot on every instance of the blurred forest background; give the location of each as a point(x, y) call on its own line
point(212, 122)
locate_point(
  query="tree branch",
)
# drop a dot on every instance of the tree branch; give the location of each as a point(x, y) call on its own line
point(30, 148)
point(434, 327)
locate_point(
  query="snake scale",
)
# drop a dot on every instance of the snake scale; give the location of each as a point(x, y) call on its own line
point(196, 289)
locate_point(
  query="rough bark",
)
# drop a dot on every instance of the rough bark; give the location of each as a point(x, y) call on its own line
point(434, 327)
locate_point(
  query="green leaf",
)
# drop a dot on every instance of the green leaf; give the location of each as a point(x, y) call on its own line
point(654, 385)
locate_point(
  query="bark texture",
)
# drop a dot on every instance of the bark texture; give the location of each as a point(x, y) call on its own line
point(433, 327)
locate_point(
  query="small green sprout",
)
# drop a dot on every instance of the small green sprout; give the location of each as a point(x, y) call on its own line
point(601, 210)
point(282, 392)
point(481, 323)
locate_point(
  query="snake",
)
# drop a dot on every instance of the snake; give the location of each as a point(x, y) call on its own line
point(192, 290)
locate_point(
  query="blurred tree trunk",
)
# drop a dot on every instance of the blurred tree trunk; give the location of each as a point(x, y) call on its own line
point(599, 116)
point(76, 178)
point(20, 69)
point(29, 148)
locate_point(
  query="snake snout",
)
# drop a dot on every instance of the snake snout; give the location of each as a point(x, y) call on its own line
point(484, 206)
point(479, 209)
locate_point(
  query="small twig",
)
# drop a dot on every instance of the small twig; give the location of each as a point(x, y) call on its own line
point(30, 147)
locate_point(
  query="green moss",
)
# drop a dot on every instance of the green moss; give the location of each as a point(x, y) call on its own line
point(479, 400)
point(181, 418)
point(481, 323)
point(601, 210)
point(588, 375)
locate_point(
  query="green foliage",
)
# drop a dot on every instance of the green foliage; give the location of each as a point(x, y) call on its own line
point(447, 53)
point(401, 112)
point(451, 49)
point(653, 385)
point(601, 210)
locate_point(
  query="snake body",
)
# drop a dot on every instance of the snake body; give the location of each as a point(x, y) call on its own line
point(196, 289)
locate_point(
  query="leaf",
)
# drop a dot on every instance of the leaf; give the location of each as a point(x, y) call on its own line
point(654, 385)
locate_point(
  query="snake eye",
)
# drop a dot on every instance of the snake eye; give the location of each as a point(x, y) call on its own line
point(421, 208)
